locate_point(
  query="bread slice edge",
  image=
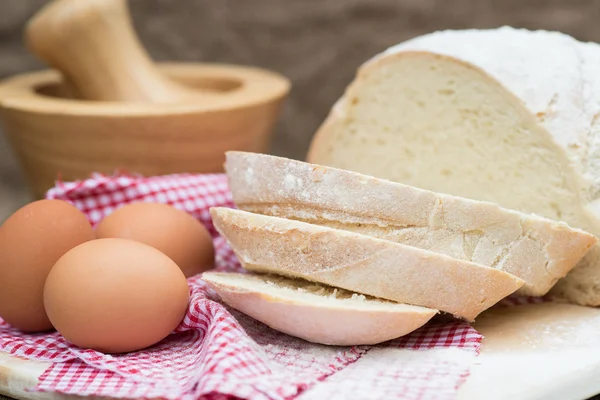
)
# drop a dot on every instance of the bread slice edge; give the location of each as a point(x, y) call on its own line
point(362, 264)
point(538, 250)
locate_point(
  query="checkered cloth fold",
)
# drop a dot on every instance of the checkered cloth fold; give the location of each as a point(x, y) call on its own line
point(219, 353)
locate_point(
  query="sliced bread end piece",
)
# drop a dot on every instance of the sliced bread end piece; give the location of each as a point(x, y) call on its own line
point(317, 313)
point(362, 264)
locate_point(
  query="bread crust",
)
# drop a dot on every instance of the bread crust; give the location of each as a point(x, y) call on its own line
point(335, 323)
point(537, 250)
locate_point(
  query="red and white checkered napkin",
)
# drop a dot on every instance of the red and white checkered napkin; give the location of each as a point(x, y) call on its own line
point(219, 353)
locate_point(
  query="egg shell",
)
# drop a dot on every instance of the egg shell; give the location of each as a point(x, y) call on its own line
point(31, 241)
point(174, 232)
point(115, 295)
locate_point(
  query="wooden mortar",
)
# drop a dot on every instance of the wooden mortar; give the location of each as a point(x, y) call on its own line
point(108, 108)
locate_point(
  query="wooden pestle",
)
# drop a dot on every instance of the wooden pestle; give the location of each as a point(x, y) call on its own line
point(93, 44)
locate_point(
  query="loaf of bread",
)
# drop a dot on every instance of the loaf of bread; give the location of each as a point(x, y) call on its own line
point(508, 116)
point(362, 264)
point(317, 313)
point(536, 249)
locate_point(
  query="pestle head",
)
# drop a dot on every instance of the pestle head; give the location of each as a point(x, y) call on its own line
point(94, 46)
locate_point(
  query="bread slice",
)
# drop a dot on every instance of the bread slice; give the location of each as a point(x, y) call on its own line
point(505, 115)
point(362, 264)
point(317, 313)
point(536, 249)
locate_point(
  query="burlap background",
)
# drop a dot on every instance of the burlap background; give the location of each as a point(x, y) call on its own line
point(316, 43)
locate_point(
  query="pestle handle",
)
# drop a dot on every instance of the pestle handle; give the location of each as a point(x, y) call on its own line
point(93, 44)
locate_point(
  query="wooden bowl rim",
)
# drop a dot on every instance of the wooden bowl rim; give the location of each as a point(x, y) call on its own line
point(257, 87)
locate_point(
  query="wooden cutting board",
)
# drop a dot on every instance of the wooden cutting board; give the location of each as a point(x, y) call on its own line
point(530, 352)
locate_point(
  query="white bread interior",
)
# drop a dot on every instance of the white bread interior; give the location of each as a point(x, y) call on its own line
point(503, 115)
point(362, 264)
point(536, 249)
point(317, 313)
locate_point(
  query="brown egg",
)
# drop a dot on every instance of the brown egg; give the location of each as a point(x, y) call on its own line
point(174, 232)
point(115, 295)
point(31, 241)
